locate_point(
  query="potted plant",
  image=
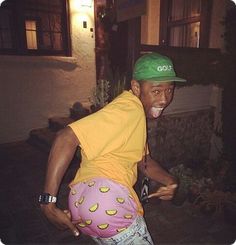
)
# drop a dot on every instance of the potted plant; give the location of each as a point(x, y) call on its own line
point(100, 95)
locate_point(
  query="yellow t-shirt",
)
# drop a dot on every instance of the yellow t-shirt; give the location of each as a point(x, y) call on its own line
point(112, 141)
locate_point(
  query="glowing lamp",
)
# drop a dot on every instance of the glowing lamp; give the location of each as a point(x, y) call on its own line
point(86, 3)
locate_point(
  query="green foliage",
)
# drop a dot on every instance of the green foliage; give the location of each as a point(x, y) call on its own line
point(100, 94)
point(118, 85)
point(201, 184)
point(214, 201)
point(184, 176)
point(209, 191)
point(105, 91)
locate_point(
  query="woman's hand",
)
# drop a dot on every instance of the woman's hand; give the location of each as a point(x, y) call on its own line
point(60, 218)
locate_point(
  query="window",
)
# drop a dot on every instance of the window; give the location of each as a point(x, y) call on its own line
point(185, 23)
point(34, 27)
point(31, 34)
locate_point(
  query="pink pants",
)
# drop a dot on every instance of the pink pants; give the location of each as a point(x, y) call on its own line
point(105, 207)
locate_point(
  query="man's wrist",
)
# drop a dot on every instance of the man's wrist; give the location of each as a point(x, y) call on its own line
point(171, 180)
point(46, 198)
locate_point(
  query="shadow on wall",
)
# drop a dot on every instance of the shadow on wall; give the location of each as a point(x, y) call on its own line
point(40, 63)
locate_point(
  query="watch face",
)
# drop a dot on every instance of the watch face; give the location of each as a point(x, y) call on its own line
point(44, 198)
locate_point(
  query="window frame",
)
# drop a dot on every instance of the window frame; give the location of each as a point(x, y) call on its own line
point(204, 19)
point(37, 20)
point(19, 41)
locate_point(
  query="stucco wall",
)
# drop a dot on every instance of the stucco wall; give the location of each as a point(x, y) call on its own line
point(150, 23)
point(187, 99)
point(32, 89)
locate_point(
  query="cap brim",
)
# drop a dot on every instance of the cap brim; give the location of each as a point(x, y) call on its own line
point(166, 79)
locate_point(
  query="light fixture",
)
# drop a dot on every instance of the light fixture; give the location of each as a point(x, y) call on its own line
point(86, 3)
point(234, 1)
point(1, 1)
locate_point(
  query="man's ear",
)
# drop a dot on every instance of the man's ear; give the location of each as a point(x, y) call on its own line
point(135, 86)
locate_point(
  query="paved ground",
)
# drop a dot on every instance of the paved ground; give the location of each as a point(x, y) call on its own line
point(21, 221)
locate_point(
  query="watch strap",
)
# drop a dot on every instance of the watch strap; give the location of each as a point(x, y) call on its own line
point(52, 199)
point(46, 198)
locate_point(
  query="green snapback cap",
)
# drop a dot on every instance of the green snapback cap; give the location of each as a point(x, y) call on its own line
point(155, 67)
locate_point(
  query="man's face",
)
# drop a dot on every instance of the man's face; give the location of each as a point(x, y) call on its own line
point(154, 96)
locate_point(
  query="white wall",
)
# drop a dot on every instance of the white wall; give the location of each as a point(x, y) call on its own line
point(196, 97)
point(32, 89)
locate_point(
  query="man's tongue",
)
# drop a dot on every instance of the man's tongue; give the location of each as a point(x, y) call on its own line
point(156, 112)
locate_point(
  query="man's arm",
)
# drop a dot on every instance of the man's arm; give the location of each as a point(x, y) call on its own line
point(154, 171)
point(61, 154)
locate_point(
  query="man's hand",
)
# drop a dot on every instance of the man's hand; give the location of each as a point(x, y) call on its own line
point(154, 171)
point(165, 192)
point(60, 218)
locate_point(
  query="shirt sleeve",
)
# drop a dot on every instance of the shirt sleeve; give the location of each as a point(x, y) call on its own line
point(104, 131)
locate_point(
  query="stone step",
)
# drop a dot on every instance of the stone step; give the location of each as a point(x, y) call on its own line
point(58, 123)
point(42, 138)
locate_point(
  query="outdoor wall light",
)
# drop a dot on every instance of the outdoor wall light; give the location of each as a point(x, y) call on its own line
point(81, 5)
point(1, 1)
point(86, 3)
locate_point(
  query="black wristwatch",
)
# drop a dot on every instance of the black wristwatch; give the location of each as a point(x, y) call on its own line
point(46, 198)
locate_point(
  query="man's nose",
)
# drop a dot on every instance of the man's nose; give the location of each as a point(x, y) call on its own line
point(163, 99)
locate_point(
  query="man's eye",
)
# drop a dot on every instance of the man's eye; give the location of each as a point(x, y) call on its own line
point(156, 91)
point(170, 90)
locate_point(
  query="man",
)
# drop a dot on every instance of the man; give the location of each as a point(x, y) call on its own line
point(102, 201)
